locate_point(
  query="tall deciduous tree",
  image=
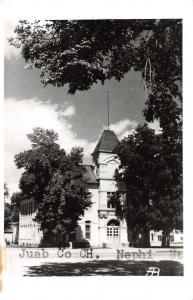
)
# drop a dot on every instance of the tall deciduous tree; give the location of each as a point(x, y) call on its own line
point(82, 52)
point(55, 181)
point(153, 181)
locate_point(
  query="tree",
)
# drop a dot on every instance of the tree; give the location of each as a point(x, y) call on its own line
point(55, 181)
point(82, 52)
point(7, 216)
point(6, 191)
point(7, 209)
point(11, 210)
point(15, 204)
point(153, 181)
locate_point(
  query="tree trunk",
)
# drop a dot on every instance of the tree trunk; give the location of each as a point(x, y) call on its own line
point(129, 237)
point(67, 238)
point(47, 237)
point(166, 238)
point(146, 239)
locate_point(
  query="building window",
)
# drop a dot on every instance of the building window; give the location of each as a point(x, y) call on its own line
point(110, 201)
point(112, 231)
point(152, 236)
point(172, 239)
point(159, 238)
point(113, 228)
point(87, 230)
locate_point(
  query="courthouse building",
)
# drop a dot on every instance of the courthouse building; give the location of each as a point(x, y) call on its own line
point(99, 226)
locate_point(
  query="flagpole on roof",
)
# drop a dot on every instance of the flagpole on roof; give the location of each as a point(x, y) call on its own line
point(108, 106)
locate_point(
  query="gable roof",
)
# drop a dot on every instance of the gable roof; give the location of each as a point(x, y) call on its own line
point(107, 142)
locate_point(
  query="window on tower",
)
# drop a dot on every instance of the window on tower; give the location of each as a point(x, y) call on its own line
point(111, 200)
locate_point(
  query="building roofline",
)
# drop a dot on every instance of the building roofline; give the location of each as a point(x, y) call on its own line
point(102, 145)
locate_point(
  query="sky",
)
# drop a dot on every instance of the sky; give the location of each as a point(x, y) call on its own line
point(78, 119)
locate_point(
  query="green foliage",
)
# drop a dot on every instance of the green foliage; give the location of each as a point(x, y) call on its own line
point(42, 137)
point(55, 181)
point(7, 209)
point(6, 191)
point(152, 176)
point(82, 52)
point(16, 199)
point(7, 216)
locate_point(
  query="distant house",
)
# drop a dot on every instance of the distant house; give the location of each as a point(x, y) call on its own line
point(176, 238)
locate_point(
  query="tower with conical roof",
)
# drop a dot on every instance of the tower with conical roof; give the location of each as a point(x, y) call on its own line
point(111, 231)
point(104, 156)
point(106, 143)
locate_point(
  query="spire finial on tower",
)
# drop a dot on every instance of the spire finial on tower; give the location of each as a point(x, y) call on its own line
point(108, 106)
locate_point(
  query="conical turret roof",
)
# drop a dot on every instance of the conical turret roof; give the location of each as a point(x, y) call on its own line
point(107, 142)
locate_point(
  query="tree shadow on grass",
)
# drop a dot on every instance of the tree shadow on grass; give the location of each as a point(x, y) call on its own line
point(105, 267)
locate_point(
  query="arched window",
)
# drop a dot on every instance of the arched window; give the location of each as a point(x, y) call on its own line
point(113, 222)
point(113, 228)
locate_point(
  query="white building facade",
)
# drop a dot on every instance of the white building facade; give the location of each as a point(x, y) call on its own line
point(100, 225)
point(29, 230)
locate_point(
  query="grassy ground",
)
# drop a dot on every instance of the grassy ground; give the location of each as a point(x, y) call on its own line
point(107, 267)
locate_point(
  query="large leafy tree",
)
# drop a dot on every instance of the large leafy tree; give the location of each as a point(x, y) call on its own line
point(153, 181)
point(55, 180)
point(82, 52)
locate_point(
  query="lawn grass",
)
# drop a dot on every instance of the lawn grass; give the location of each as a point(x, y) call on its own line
point(105, 268)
